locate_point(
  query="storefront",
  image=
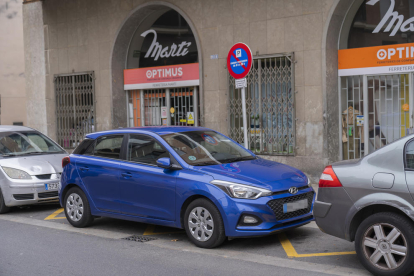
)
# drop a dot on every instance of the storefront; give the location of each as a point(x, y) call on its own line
point(162, 75)
point(375, 69)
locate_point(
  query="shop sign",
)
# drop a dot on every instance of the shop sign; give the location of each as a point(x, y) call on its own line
point(190, 118)
point(164, 112)
point(397, 58)
point(360, 120)
point(162, 76)
point(396, 21)
point(156, 50)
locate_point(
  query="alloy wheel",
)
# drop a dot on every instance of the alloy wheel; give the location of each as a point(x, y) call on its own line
point(74, 207)
point(200, 223)
point(385, 246)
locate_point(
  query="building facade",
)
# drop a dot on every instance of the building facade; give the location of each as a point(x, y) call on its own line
point(12, 78)
point(96, 65)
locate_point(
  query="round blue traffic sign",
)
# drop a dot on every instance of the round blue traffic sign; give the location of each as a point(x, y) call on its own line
point(239, 60)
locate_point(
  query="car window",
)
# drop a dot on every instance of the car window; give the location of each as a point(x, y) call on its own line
point(85, 147)
point(145, 149)
point(202, 148)
point(409, 155)
point(109, 147)
point(26, 142)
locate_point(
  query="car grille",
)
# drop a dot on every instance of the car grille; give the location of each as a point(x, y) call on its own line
point(44, 176)
point(48, 194)
point(23, 196)
point(277, 206)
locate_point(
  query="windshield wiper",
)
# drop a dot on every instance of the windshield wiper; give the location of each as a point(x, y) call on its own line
point(9, 154)
point(207, 163)
point(236, 159)
point(32, 152)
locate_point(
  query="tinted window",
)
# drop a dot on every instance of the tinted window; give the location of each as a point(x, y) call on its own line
point(109, 146)
point(84, 147)
point(409, 155)
point(145, 149)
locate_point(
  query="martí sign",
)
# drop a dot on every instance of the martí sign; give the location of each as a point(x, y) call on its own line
point(396, 23)
point(162, 76)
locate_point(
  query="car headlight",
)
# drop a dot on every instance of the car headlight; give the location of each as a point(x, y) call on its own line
point(16, 174)
point(241, 191)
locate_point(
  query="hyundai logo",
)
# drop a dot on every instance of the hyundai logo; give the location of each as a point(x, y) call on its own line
point(293, 190)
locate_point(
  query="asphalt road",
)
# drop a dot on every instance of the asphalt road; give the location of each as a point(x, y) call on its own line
point(36, 250)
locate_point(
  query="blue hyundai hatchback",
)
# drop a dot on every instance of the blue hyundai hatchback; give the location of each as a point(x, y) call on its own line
point(185, 177)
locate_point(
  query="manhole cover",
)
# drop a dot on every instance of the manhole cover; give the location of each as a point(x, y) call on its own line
point(138, 238)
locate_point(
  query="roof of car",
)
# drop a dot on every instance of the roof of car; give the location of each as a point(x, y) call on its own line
point(4, 128)
point(160, 130)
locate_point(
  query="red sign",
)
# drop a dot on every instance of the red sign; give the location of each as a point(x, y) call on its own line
point(239, 60)
point(162, 76)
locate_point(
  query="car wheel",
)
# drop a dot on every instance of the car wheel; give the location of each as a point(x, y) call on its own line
point(203, 224)
point(77, 209)
point(384, 243)
point(3, 208)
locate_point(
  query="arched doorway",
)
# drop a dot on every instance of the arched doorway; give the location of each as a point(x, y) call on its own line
point(368, 96)
point(159, 51)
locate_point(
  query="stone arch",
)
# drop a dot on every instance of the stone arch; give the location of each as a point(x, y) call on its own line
point(335, 35)
point(119, 52)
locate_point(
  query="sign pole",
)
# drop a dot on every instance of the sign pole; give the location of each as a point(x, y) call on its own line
point(243, 95)
point(239, 63)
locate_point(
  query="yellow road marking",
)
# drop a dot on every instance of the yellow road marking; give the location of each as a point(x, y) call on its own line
point(291, 252)
point(53, 216)
point(150, 231)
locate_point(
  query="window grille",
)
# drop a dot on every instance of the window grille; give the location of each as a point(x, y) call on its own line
point(75, 107)
point(269, 104)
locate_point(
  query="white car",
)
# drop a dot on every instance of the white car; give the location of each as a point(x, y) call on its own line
point(30, 167)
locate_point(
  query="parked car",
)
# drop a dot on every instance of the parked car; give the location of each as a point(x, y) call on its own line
point(185, 177)
point(370, 201)
point(30, 167)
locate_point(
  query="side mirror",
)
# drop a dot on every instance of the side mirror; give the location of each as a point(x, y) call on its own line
point(164, 162)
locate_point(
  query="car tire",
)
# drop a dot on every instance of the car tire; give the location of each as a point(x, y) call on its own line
point(201, 217)
point(77, 209)
point(3, 208)
point(373, 244)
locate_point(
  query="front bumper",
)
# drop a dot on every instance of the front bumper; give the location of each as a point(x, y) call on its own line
point(236, 208)
point(25, 192)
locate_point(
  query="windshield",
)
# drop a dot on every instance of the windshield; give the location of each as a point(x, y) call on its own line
point(26, 143)
point(203, 148)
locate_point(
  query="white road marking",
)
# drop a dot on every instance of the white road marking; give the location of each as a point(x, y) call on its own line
point(188, 247)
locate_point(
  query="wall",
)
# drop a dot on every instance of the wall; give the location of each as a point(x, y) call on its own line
point(12, 79)
point(80, 34)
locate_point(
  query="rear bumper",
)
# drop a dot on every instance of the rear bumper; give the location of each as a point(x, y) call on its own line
point(331, 209)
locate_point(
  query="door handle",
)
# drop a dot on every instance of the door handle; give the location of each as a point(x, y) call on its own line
point(126, 175)
point(84, 169)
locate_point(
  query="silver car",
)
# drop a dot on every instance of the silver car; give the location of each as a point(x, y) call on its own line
point(30, 167)
point(370, 201)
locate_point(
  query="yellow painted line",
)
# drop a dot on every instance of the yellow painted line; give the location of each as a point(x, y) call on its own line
point(291, 251)
point(53, 216)
point(150, 231)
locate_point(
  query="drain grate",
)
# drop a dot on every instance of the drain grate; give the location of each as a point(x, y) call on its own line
point(138, 238)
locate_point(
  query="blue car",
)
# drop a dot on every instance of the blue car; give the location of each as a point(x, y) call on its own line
point(185, 177)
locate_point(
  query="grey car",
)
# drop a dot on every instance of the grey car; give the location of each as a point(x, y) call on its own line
point(30, 167)
point(370, 201)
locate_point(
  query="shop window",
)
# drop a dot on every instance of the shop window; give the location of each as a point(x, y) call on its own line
point(270, 107)
point(75, 107)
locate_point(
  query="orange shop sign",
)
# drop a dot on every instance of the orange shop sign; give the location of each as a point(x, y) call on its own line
point(390, 59)
point(162, 76)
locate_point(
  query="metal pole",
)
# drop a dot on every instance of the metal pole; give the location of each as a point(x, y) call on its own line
point(243, 94)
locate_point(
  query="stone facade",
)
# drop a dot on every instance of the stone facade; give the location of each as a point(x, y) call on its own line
point(79, 35)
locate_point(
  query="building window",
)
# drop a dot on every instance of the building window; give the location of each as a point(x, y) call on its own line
point(269, 104)
point(75, 107)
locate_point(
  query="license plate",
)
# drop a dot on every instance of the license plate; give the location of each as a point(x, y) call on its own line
point(296, 205)
point(51, 186)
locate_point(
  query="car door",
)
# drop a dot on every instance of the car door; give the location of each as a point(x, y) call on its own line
point(100, 172)
point(146, 189)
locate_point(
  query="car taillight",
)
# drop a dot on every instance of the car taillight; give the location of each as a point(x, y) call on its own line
point(65, 161)
point(329, 179)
